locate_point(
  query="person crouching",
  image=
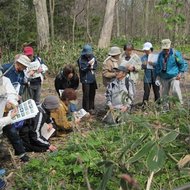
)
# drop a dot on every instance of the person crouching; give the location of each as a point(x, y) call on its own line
point(31, 133)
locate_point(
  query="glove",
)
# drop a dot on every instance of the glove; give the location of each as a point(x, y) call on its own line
point(157, 83)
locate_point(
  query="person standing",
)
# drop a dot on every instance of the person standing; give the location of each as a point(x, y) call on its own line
point(111, 62)
point(87, 64)
point(36, 76)
point(149, 74)
point(169, 69)
point(132, 62)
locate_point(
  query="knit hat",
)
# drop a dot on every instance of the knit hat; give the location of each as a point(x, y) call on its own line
point(121, 68)
point(87, 50)
point(28, 51)
point(51, 102)
point(166, 44)
point(114, 51)
point(24, 60)
point(147, 46)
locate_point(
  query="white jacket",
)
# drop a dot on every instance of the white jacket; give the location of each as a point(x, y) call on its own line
point(8, 89)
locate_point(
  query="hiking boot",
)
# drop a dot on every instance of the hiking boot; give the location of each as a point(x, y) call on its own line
point(24, 158)
point(2, 184)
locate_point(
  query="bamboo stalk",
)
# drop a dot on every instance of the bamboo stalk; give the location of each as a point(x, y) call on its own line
point(148, 187)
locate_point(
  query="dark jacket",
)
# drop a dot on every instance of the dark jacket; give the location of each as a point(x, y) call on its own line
point(87, 74)
point(61, 82)
point(36, 123)
point(13, 75)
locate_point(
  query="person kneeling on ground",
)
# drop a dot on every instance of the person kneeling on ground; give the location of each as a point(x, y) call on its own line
point(31, 132)
point(60, 115)
point(117, 94)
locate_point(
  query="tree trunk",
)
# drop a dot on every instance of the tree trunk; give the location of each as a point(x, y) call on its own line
point(117, 19)
point(52, 8)
point(87, 20)
point(132, 17)
point(146, 19)
point(42, 24)
point(106, 32)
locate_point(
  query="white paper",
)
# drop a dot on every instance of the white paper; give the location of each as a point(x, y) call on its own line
point(134, 60)
point(26, 110)
point(153, 59)
point(45, 132)
point(80, 114)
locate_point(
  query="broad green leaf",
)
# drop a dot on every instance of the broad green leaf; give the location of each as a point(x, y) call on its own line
point(156, 158)
point(171, 136)
point(144, 150)
point(106, 177)
point(139, 141)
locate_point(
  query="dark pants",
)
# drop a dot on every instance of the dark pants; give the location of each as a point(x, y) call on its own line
point(13, 135)
point(156, 90)
point(35, 91)
point(89, 92)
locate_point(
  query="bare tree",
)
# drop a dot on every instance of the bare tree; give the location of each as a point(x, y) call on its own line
point(42, 24)
point(52, 8)
point(87, 20)
point(146, 19)
point(74, 19)
point(105, 36)
point(117, 18)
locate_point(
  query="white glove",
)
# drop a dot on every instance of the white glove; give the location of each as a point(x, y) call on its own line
point(157, 83)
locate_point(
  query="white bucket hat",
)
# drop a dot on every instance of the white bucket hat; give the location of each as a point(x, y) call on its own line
point(114, 51)
point(24, 60)
point(147, 46)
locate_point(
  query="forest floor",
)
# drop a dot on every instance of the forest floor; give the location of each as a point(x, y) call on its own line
point(14, 164)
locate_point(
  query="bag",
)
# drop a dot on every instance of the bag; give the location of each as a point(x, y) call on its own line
point(186, 65)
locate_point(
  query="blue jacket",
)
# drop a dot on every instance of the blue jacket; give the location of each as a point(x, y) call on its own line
point(14, 76)
point(87, 74)
point(149, 74)
point(174, 64)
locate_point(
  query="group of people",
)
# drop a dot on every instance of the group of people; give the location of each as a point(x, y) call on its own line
point(161, 71)
point(120, 72)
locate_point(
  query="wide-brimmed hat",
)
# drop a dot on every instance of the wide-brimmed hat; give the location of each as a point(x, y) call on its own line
point(51, 102)
point(114, 51)
point(24, 60)
point(166, 44)
point(87, 50)
point(28, 51)
point(147, 46)
point(121, 68)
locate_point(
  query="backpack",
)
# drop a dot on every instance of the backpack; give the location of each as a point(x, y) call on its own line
point(186, 65)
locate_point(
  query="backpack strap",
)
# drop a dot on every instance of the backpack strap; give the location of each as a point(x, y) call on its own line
point(7, 70)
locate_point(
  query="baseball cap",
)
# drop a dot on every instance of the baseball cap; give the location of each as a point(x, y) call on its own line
point(147, 46)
